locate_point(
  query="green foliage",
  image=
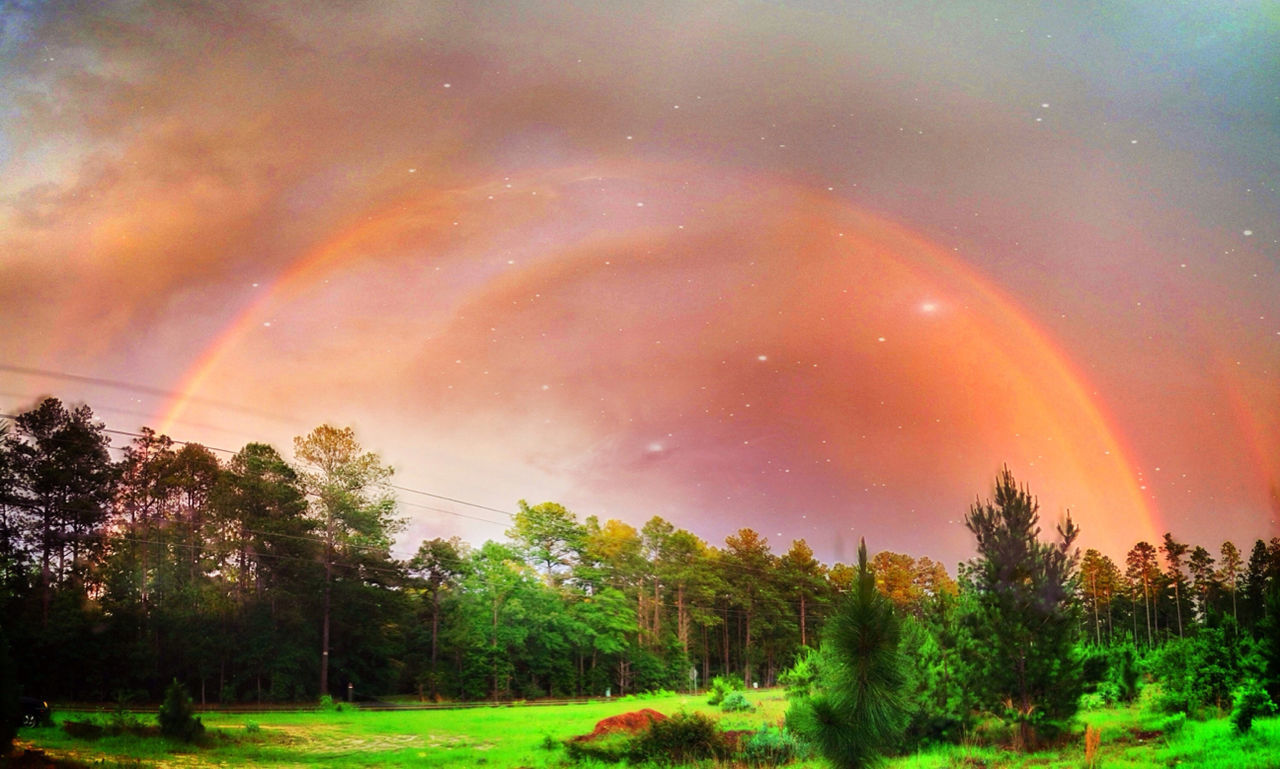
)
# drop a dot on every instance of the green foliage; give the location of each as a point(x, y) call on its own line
point(734, 702)
point(610, 749)
point(329, 705)
point(1124, 672)
point(721, 686)
point(681, 739)
point(1251, 701)
point(1198, 672)
point(938, 652)
point(1026, 613)
point(8, 697)
point(773, 746)
point(1269, 629)
point(177, 715)
point(799, 679)
point(1173, 724)
point(860, 710)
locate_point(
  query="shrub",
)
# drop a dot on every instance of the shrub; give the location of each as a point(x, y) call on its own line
point(1251, 701)
point(328, 705)
point(609, 749)
point(1125, 673)
point(774, 747)
point(681, 739)
point(1173, 724)
point(800, 678)
point(722, 685)
point(177, 714)
point(734, 702)
point(1092, 701)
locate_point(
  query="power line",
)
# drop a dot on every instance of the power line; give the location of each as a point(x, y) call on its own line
point(229, 452)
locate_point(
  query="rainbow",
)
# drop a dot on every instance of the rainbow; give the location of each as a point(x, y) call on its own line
point(430, 220)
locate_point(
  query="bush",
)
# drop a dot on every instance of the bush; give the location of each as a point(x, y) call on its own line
point(735, 702)
point(609, 749)
point(681, 739)
point(721, 686)
point(328, 705)
point(800, 678)
point(1251, 701)
point(1173, 724)
point(1124, 672)
point(774, 747)
point(177, 714)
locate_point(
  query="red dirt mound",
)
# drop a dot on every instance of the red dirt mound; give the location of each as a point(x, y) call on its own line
point(633, 722)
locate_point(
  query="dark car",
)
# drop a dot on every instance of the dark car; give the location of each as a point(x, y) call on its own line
point(35, 712)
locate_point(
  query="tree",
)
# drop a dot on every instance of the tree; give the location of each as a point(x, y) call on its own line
point(438, 564)
point(1025, 611)
point(64, 477)
point(1141, 570)
point(1203, 580)
point(550, 536)
point(1173, 552)
point(802, 573)
point(1229, 571)
point(859, 711)
point(352, 501)
point(750, 563)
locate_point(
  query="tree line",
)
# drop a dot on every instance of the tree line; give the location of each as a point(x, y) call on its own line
point(259, 579)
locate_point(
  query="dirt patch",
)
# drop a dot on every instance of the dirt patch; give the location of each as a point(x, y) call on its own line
point(1136, 736)
point(632, 723)
point(736, 739)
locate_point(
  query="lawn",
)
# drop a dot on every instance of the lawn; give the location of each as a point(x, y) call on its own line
point(529, 736)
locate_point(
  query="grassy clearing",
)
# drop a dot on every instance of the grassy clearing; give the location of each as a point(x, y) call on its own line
point(530, 737)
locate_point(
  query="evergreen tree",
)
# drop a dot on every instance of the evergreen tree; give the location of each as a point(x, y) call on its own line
point(1026, 612)
point(353, 504)
point(859, 712)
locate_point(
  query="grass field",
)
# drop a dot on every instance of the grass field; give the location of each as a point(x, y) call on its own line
point(528, 736)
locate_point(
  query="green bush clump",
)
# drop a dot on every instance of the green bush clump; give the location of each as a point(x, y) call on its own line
point(328, 705)
point(681, 739)
point(610, 749)
point(1251, 701)
point(774, 747)
point(721, 686)
point(800, 678)
point(1173, 724)
point(735, 702)
point(177, 714)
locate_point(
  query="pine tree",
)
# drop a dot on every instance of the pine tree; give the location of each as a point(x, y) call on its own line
point(860, 710)
point(1026, 612)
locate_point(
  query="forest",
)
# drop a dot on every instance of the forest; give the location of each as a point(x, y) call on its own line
point(252, 578)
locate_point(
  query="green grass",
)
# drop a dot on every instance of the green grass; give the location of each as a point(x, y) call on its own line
point(509, 737)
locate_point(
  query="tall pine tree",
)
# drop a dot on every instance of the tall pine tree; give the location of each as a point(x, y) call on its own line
point(1026, 614)
point(860, 711)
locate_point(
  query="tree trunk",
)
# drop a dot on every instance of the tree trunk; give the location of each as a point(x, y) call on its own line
point(435, 629)
point(1177, 604)
point(324, 627)
point(804, 640)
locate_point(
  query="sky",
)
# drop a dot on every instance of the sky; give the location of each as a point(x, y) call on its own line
point(820, 269)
